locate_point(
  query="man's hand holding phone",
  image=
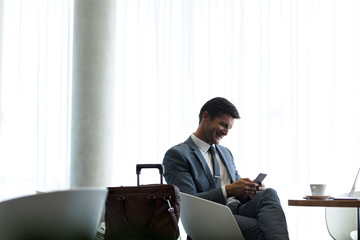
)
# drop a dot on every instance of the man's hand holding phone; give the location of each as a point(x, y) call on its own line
point(241, 188)
point(260, 186)
point(260, 178)
point(244, 186)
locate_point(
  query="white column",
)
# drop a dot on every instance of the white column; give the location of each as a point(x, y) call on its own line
point(92, 92)
point(1, 40)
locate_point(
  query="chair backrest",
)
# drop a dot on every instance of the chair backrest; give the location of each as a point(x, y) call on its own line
point(341, 222)
point(203, 219)
point(70, 214)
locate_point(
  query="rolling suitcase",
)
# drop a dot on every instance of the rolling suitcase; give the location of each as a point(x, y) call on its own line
point(143, 211)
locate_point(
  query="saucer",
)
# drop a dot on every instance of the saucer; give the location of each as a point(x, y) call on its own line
point(311, 197)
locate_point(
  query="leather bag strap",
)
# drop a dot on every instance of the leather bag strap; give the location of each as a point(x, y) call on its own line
point(172, 215)
point(151, 209)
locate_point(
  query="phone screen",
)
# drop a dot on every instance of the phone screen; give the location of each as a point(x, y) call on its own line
point(260, 178)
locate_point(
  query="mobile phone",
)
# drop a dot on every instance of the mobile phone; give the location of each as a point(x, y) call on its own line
point(260, 178)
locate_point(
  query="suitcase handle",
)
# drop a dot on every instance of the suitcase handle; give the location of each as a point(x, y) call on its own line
point(141, 166)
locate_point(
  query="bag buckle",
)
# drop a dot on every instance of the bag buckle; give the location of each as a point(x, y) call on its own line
point(168, 198)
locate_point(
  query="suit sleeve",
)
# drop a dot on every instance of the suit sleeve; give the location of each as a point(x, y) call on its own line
point(179, 171)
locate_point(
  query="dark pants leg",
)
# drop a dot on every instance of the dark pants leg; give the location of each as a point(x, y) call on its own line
point(262, 217)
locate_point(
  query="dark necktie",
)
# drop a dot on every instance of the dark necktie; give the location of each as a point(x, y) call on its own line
point(216, 168)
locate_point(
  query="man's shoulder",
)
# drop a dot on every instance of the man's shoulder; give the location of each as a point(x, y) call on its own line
point(179, 152)
point(186, 145)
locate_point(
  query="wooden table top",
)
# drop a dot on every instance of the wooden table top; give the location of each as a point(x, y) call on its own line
point(324, 203)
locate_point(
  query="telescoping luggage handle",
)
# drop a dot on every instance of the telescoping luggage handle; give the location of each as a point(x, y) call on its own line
point(141, 166)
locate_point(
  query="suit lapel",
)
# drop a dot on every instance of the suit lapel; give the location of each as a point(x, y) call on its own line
point(224, 155)
point(201, 159)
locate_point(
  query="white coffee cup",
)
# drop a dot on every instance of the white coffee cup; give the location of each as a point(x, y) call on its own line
point(317, 189)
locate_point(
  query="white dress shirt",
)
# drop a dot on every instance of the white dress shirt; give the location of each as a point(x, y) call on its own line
point(204, 149)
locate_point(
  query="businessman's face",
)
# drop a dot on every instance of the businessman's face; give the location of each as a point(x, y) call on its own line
point(216, 128)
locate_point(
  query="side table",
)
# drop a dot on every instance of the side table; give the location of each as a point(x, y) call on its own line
point(329, 203)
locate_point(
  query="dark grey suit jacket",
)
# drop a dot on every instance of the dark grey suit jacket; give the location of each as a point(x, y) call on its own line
point(186, 168)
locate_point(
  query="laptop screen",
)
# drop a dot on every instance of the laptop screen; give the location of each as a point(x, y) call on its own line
point(354, 185)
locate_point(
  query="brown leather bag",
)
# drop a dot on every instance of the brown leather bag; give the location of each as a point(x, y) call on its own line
point(142, 212)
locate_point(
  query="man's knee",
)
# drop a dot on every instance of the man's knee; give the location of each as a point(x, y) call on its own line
point(269, 196)
point(269, 193)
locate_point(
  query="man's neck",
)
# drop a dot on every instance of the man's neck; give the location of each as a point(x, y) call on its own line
point(199, 134)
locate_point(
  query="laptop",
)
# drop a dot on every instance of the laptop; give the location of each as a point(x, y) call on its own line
point(351, 193)
point(204, 219)
point(59, 215)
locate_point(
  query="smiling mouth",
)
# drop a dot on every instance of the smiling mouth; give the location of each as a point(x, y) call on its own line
point(219, 136)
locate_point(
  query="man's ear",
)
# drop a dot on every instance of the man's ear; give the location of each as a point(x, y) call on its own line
point(206, 116)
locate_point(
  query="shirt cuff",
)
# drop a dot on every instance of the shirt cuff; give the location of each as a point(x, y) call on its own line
point(224, 191)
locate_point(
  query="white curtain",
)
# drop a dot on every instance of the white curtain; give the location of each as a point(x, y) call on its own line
point(291, 68)
point(35, 95)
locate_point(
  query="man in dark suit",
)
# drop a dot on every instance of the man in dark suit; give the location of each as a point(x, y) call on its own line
point(196, 170)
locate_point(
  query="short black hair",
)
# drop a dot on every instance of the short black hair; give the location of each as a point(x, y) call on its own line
point(218, 106)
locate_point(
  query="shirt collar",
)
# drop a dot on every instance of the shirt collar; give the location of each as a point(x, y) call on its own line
point(203, 146)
